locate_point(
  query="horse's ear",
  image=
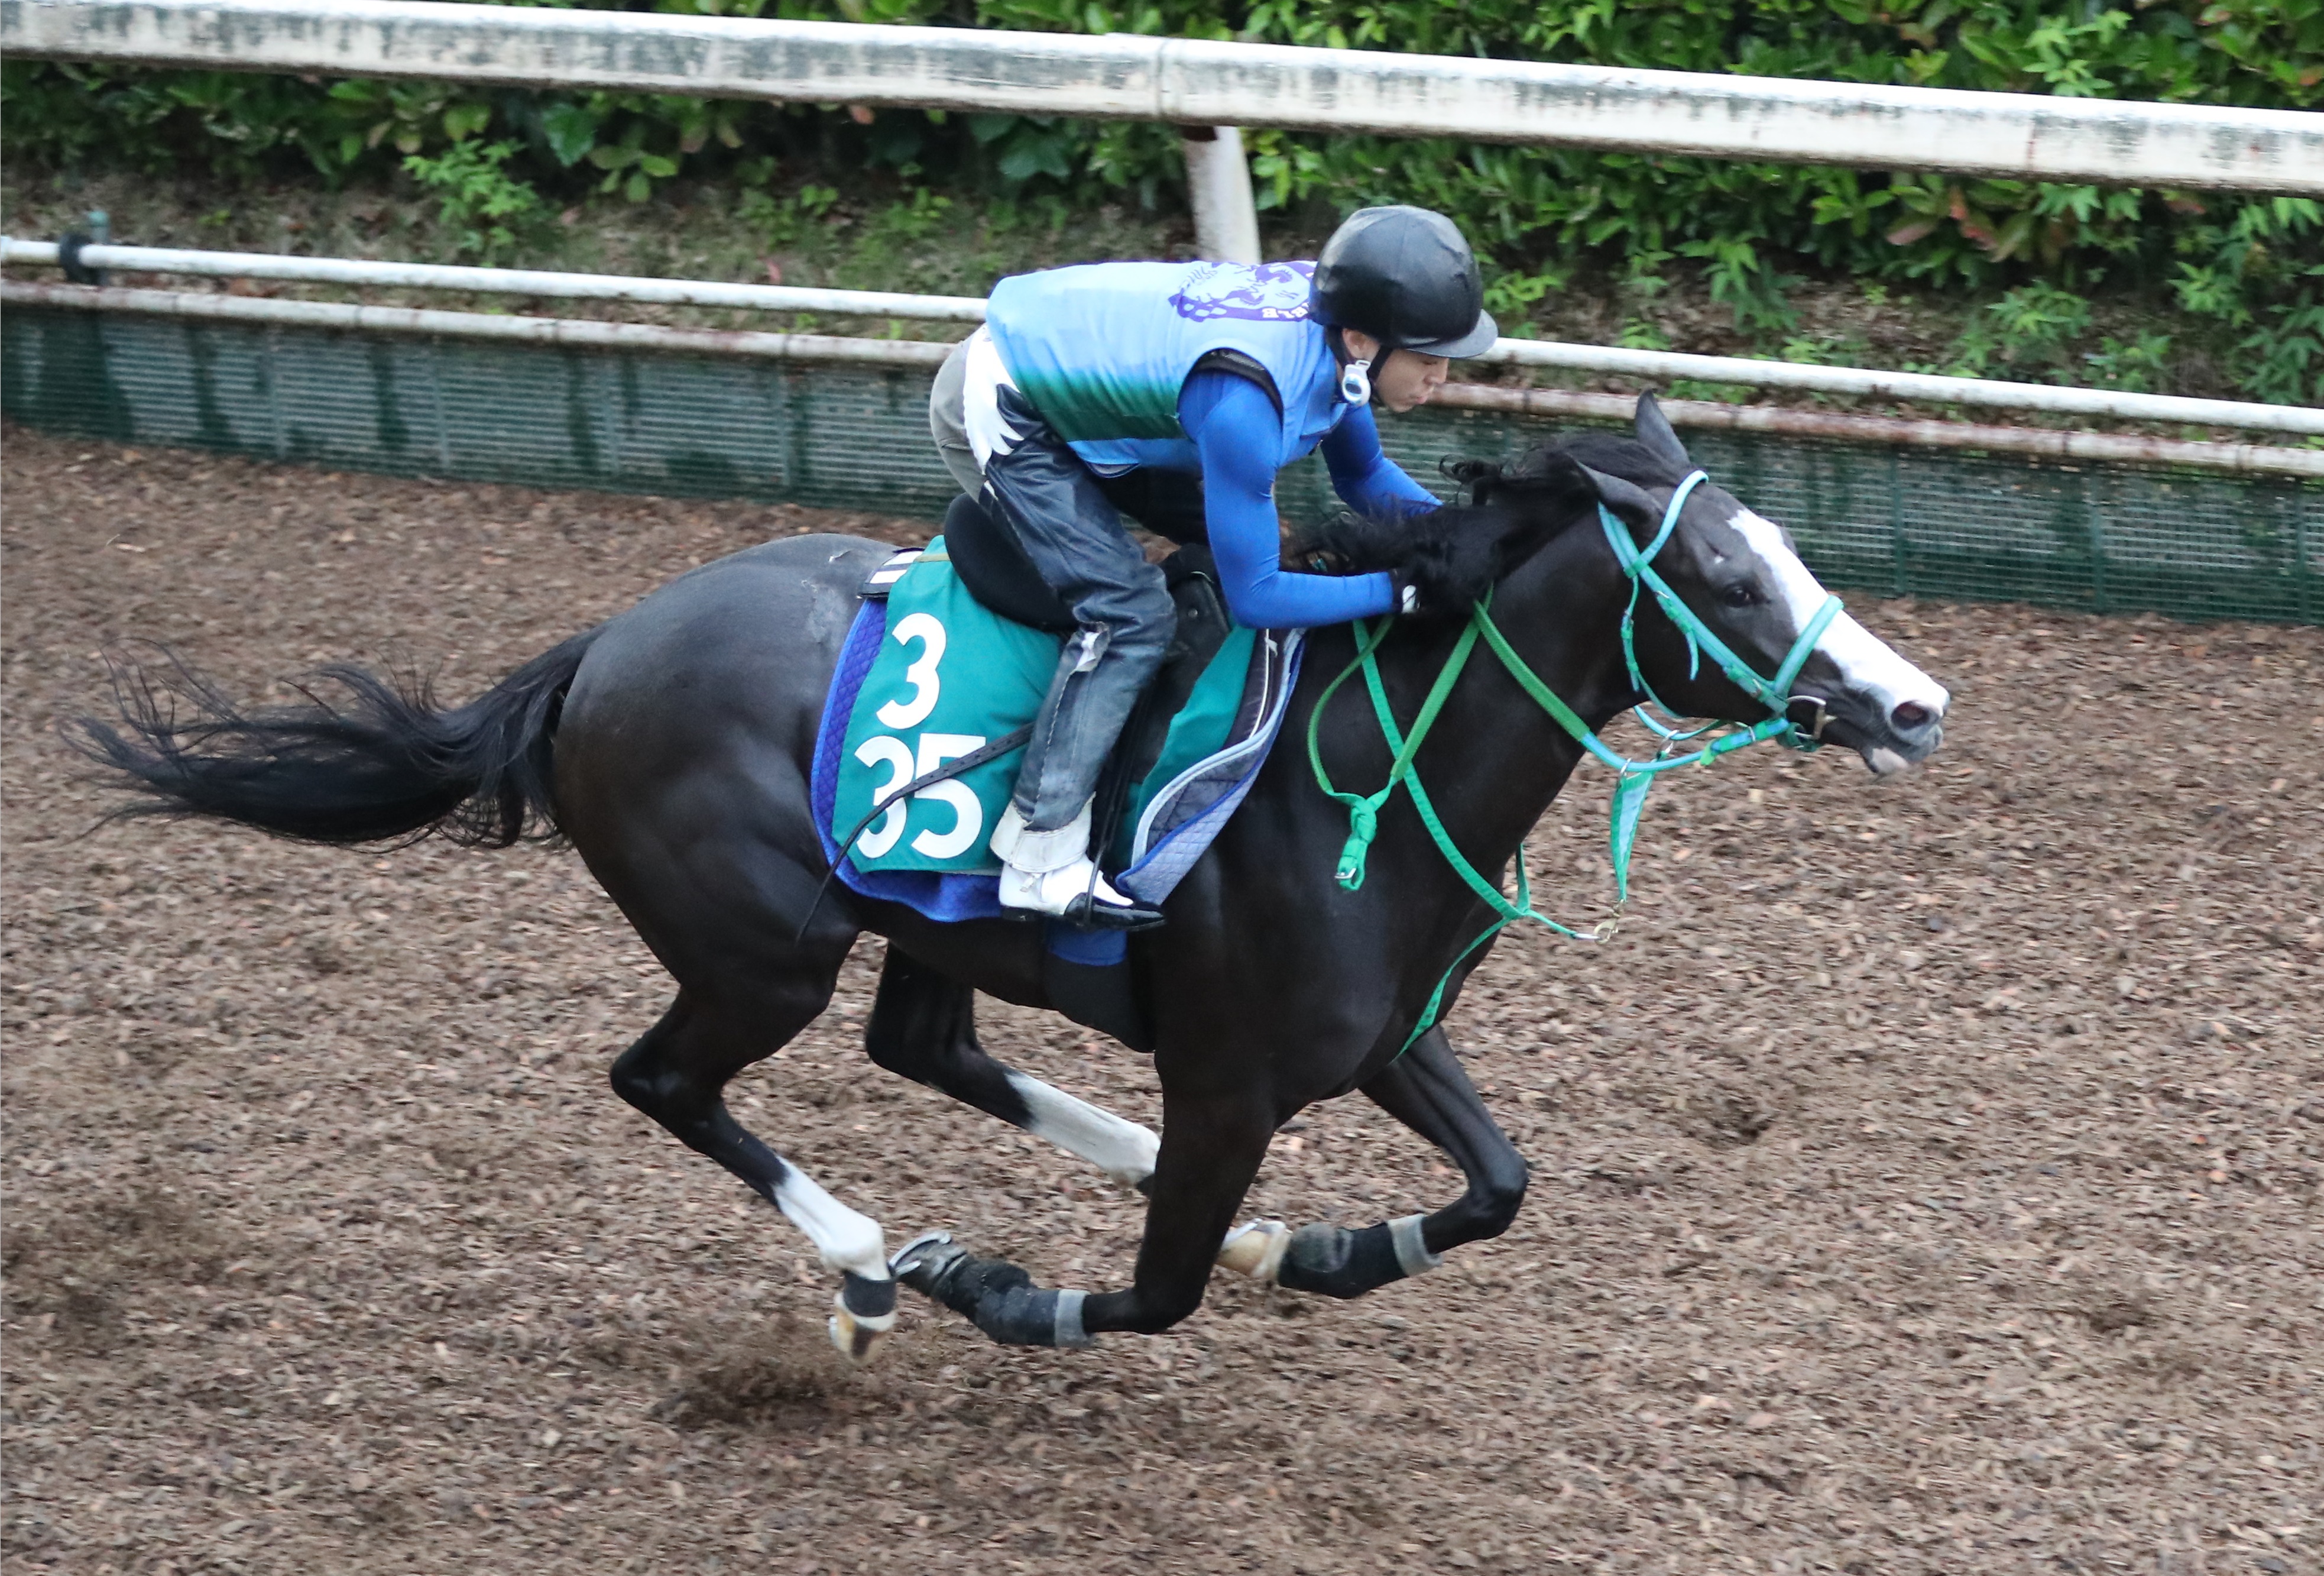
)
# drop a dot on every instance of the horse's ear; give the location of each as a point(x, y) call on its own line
point(1654, 429)
point(1625, 497)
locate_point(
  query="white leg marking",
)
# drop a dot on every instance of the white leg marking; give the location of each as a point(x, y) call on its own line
point(845, 1239)
point(1120, 1148)
point(1864, 661)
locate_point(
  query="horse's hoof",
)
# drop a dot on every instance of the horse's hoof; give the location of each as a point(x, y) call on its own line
point(862, 1315)
point(1257, 1250)
point(858, 1340)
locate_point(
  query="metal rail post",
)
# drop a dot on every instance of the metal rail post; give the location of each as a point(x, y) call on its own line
point(1218, 188)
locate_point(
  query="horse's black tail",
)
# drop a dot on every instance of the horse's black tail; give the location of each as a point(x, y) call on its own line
point(382, 763)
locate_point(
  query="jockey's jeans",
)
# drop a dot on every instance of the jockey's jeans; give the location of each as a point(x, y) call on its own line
point(1078, 544)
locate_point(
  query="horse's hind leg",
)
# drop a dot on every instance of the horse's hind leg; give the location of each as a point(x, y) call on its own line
point(1425, 1090)
point(678, 1072)
point(924, 1026)
point(1214, 1139)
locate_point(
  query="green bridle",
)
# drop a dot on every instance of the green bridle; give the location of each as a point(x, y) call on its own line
point(1632, 779)
point(1773, 693)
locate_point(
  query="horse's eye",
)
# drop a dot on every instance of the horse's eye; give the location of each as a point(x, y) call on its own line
point(1742, 594)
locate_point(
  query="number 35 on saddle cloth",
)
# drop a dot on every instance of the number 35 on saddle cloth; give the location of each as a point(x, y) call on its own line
point(929, 675)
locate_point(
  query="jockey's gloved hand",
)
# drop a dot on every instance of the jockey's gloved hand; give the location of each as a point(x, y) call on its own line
point(1438, 567)
point(1410, 600)
point(1443, 579)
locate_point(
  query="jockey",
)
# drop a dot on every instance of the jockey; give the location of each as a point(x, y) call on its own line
point(1175, 391)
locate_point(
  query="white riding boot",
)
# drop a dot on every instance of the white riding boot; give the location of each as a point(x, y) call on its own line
point(1051, 873)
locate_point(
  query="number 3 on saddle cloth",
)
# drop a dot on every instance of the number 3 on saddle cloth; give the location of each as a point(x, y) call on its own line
point(929, 675)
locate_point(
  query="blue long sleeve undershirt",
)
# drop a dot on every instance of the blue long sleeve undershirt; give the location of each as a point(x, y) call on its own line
point(1233, 424)
point(1368, 481)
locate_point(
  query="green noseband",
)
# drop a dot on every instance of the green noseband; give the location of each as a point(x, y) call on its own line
point(1632, 777)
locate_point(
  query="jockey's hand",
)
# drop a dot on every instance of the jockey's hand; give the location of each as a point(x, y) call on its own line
point(1408, 597)
point(1423, 592)
point(1445, 569)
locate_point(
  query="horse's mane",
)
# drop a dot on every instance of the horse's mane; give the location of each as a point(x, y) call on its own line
point(1514, 509)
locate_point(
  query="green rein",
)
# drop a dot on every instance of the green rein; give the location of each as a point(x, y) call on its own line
point(1632, 777)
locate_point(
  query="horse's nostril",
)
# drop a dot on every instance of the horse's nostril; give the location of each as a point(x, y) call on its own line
point(1911, 717)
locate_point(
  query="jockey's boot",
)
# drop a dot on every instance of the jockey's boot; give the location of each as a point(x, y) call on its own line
point(1051, 873)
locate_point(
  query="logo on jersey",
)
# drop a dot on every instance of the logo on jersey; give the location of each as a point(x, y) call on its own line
point(1266, 293)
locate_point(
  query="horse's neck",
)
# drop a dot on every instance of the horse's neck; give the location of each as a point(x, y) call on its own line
point(1505, 758)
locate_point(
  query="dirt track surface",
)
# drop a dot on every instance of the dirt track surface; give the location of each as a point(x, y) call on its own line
point(1926, 1181)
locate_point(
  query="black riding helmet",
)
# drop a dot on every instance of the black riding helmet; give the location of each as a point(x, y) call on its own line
point(1406, 277)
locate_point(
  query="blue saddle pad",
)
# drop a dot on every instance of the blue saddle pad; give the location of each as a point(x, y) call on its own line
point(929, 675)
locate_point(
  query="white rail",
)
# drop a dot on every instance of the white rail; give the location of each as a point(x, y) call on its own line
point(924, 356)
point(1662, 364)
point(356, 271)
point(1865, 384)
point(1193, 82)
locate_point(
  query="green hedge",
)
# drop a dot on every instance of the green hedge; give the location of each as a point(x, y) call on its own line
point(2250, 269)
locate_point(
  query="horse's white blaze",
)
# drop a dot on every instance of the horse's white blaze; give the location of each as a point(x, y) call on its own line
point(1865, 662)
point(845, 1239)
point(1120, 1148)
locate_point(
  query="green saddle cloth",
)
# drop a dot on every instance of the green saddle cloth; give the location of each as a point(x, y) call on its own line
point(951, 675)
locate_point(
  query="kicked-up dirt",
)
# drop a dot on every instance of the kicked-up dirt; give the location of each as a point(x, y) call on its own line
point(1926, 1180)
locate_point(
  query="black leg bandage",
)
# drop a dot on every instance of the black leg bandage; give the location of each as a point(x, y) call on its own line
point(1333, 1261)
point(866, 1298)
point(997, 1297)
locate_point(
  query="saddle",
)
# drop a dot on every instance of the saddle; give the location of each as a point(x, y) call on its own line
point(992, 564)
point(933, 701)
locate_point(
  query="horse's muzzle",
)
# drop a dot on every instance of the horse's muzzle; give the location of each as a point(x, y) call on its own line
point(1889, 737)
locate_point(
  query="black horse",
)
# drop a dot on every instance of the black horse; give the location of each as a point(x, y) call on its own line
point(671, 746)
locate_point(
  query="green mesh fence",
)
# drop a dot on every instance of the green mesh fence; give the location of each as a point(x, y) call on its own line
point(1897, 521)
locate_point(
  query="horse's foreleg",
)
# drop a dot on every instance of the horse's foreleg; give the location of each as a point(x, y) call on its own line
point(1425, 1090)
point(924, 1026)
point(1211, 1149)
point(677, 1073)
